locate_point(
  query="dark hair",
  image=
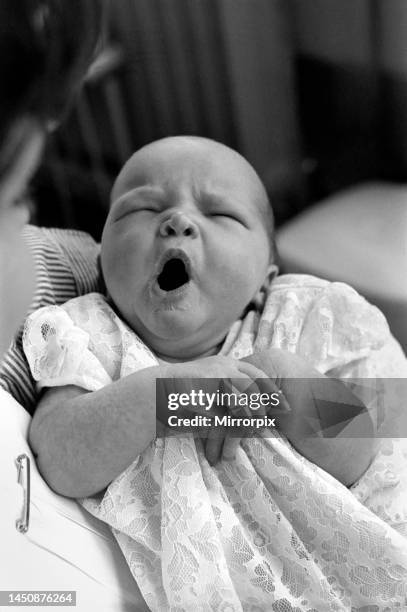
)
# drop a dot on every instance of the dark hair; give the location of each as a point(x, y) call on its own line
point(45, 49)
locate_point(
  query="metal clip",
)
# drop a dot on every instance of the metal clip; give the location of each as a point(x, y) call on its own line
point(23, 478)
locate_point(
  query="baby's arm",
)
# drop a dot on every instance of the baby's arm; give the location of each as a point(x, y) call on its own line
point(344, 457)
point(83, 440)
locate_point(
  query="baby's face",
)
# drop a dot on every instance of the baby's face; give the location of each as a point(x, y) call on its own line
point(185, 248)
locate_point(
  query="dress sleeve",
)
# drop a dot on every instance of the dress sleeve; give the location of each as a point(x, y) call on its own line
point(58, 351)
point(329, 324)
point(342, 332)
point(341, 335)
point(354, 344)
point(359, 348)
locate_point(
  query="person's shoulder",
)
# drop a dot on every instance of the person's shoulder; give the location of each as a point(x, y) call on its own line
point(71, 242)
point(64, 242)
point(57, 236)
point(67, 259)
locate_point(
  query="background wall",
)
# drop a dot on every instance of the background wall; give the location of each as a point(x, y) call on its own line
point(312, 92)
point(338, 90)
point(392, 52)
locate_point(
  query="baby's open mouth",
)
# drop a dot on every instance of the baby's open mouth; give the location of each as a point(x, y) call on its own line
point(173, 275)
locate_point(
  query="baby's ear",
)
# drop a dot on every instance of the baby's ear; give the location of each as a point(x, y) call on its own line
point(272, 272)
point(260, 297)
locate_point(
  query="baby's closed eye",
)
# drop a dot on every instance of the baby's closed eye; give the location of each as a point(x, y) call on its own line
point(225, 214)
point(132, 208)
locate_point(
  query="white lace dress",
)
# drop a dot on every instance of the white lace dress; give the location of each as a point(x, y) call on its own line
point(270, 531)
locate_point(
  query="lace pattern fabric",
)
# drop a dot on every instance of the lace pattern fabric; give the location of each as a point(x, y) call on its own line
point(269, 530)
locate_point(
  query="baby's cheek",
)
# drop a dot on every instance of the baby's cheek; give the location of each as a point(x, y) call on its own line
point(121, 261)
point(244, 275)
point(235, 294)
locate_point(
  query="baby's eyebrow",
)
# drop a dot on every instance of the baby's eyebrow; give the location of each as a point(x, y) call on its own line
point(140, 191)
point(149, 190)
point(217, 198)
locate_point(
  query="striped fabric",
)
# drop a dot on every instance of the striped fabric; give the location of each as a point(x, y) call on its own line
point(66, 266)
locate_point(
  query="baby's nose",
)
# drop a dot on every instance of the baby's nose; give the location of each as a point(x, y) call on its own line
point(178, 224)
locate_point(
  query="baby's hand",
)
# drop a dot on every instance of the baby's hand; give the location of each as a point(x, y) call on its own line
point(241, 374)
point(278, 364)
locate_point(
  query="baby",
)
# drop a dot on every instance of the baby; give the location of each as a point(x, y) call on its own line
point(188, 260)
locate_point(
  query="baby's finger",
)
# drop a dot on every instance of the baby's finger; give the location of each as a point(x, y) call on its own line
point(214, 440)
point(213, 446)
point(263, 382)
point(230, 446)
point(244, 384)
point(250, 370)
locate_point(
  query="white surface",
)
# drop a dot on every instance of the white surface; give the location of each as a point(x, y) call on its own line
point(65, 548)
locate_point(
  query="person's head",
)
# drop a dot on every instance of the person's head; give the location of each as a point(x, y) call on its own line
point(187, 244)
point(45, 49)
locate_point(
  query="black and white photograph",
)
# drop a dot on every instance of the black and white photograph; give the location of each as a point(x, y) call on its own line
point(203, 305)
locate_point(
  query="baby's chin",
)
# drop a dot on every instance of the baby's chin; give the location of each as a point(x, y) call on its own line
point(181, 335)
point(174, 323)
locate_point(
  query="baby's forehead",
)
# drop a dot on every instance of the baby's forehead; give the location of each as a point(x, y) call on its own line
point(187, 153)
point(207, 164)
